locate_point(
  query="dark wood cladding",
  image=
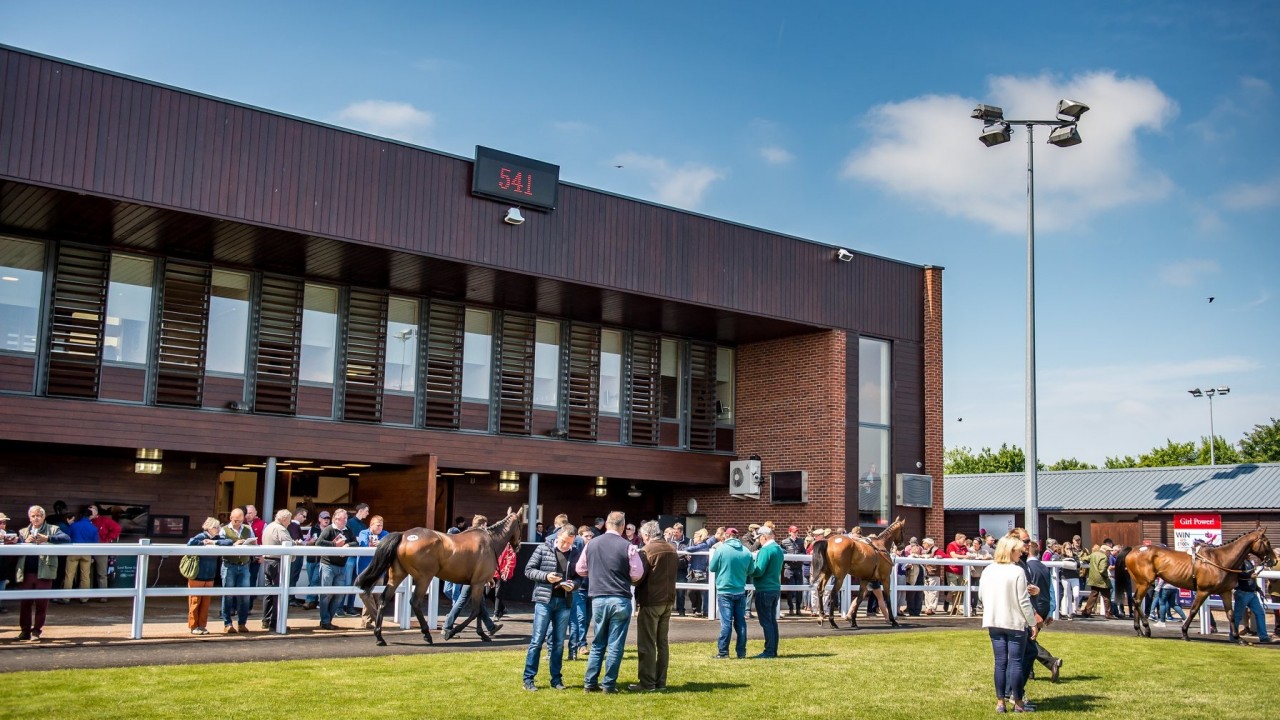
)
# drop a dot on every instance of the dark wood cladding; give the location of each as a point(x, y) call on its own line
point(124, 383)
point(25, 418)
point(17, 373)
point(75, 128)
point(908, 408)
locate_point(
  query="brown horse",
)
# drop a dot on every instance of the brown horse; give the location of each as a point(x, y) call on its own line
point(869, 561)
point(1212, 571)
point(467, 558)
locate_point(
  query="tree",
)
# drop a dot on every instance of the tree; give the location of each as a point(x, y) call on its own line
point(1224, 453)
point(1262, 444)
point(1072, 464)
point(1118, 463)
point(962, 461)
point(1172, 454)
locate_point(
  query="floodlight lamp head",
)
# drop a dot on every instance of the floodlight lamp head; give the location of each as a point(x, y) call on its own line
point(1223, 390)
point(1072, 109)
point(996, 134)
point(1065, 136)
point(513, 217)
point(844, 255)
point(1196, 392)
point(988, 113)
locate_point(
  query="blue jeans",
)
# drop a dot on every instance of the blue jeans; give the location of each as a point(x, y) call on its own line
point(612, 617)
point(235, 607)
point(460, 603)
point(733, 616)
point(1030, 649)
point(1249, 601)
point(330, 576)
point(553, 615)
point(578, 620)
point(313, 579)
point(767, 614)
point(1008, 646)
point(348, 578)
point(1167, 602)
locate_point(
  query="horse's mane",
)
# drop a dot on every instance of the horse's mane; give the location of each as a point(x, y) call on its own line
point(1241, 535)
point(500, 528)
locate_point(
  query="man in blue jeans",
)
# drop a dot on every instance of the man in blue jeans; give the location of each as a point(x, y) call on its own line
point(548, 568)
point(766, 575)
point(612, 564)
point(1247, 599)
point(333, 567)
point(730, 562)
point(235, 573)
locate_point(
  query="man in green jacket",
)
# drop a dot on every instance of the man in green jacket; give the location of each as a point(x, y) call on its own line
point(766, 575)
point(1099, 582)
point(731, 562)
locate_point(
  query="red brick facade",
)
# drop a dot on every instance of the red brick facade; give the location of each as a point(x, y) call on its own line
point(933, 421)
point(790, 412)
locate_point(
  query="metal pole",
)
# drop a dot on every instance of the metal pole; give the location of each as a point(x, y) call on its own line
point(269, 491)
point(282, 601)
point(139, 591)
point(1032, 513)
point(1212, 459)
point(533, 519)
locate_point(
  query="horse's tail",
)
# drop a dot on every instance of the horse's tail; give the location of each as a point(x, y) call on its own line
point(1122, 571)
point(819, 562)
point(382, 560)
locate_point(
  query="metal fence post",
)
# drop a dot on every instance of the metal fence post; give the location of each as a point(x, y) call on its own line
point(282, 603)
point(433, 603)
point(892, 600)
point(712, 610)
point(968, 592)
point(846, 594)
point(142, 564)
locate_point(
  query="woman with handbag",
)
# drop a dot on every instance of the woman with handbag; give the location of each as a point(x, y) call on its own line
point(206, 572)
point(702, 542)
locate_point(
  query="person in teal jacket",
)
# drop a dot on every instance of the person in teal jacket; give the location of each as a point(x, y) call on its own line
point(766, 575)
point(731, 562)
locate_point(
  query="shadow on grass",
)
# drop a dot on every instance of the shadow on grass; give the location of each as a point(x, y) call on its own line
point(793, 656)
point(704, 687)
point(1070, 703)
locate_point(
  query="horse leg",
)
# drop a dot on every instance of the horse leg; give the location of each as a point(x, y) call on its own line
point(1233, 635)
point(1140, 625)
point(416, 603)
point(852, 617)
point(1195, 610)
point(884, 608)
point(392, 583)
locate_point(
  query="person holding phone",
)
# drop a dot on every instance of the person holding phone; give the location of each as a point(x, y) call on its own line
point(235, 573)
point(548, 568)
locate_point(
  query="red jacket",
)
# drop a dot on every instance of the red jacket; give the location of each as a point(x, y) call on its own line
point(506, 564)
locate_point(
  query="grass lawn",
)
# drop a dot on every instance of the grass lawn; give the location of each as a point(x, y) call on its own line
point(945, 674)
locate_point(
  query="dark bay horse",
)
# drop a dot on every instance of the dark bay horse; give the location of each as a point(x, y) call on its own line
point(1212, 571)
point(869, 561)
point(467, 558)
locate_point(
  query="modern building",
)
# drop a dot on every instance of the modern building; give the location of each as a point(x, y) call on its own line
point(1129, 506)
point(205, 304)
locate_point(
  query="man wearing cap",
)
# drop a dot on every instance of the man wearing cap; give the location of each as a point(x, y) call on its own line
point(766, 575)
point(731, 562)
point(793, 571)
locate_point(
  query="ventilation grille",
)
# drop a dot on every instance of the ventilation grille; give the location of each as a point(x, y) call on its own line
point(702, 396)
point(366, 353)
point(443, 381)
point(180, 346)
point(582, 399)
point(644, 369)
point(77, 322)
point(279, 340)
point(515, 374)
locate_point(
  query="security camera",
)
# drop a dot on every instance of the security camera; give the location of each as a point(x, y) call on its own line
point(513, 217)
point(844, 255)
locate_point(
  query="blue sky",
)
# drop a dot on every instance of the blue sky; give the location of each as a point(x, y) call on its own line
point(848, 125)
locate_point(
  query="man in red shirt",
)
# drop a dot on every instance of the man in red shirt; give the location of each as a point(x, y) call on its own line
point(108, 532)
point(955, 573)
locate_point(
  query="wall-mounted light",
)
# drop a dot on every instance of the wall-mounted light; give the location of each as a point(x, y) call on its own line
point(150, 454)
point(634, 491)
point(601, 488)
point(513, 217)
point(508, 486)
point(147, 467)
point(508, 475)
point(844, 255)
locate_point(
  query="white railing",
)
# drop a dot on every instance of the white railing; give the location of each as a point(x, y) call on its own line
point(140, 591)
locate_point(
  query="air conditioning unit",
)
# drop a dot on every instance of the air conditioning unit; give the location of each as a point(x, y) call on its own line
point(744, 478)
point(914, 490)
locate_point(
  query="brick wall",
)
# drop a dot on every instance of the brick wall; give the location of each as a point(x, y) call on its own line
point(933, 418)
point(791, 412)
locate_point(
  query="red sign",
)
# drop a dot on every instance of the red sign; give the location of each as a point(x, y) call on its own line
point(1197, 522)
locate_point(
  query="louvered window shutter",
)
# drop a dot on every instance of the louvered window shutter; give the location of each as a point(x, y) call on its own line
point(77, 322)
point(366, 353)
point(644, 370)
point(515, 378)
point(443, 372)
point(702, 396)
point(181, 344)
point(279, 346)
point(582, 399)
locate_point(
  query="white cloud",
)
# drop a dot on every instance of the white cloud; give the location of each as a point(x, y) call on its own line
point(1186, 273)
point(1246, 196)
point(397, 120)
point(775, 155)
point(927, 149)
point(681, 187)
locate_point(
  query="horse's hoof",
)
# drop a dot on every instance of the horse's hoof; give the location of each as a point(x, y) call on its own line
point(382, 643)
point(428, 639)
point(486, 638)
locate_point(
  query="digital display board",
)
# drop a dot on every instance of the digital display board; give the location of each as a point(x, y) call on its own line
point(519, 180)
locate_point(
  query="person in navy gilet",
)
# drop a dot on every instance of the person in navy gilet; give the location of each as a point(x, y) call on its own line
point(612, 564)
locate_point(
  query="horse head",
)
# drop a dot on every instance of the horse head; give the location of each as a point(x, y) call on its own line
point(1261, 547)
point(893, 533)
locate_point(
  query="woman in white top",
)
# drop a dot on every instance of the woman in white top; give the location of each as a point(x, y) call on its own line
point(1007, 614)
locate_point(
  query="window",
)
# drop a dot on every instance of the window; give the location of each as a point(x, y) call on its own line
point(129, 294)
point(611, 371)
point(672, 385)
point(21, 291)
point(402, 345)
point(477, 355)
point(724, 386)
point(228, 322)
point(546, 364)
point(319, 334)
point(873, 432)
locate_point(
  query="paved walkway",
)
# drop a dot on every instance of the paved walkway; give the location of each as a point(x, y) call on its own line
point(97, 635)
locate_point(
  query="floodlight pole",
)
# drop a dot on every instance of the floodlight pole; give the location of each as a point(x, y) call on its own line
point(1032, 513)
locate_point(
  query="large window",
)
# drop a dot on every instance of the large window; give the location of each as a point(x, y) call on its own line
point(319, 334)
point(874, 389)
point(228, 322)
point(724, 386)
point(672, 381)
point(546, 364)
point(402, 345)
point(21, 290)
point(611, 372)
point(477, 355)
point(129, 296)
